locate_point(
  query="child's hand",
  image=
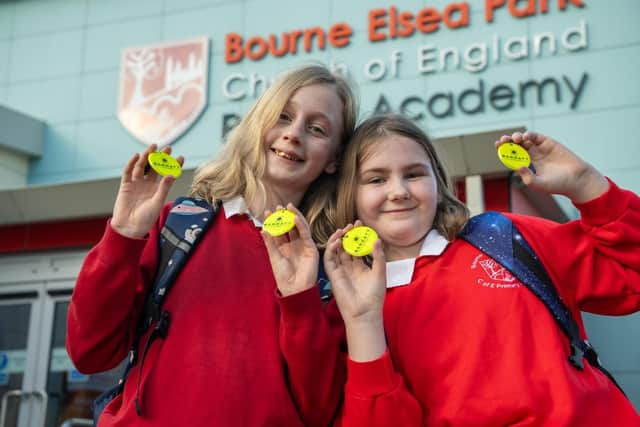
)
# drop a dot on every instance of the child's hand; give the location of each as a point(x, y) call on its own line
point(558, 169)
point(359, 292)
point(140, 196)
point(358, 289)
point(293, 256)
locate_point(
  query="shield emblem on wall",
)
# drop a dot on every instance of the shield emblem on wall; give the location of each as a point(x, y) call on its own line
point(163, 89)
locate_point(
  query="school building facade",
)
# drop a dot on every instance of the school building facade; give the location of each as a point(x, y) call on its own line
point(85, 83)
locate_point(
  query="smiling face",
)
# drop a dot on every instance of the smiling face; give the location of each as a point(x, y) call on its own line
point(303, 142)
point(397, 194)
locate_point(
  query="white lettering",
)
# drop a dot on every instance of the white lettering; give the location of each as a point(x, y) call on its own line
point(375, 69)
point(426, 55)
point(478, 56)
point(226, 87)
point(580, 32)
point(396, 56)
point(475, 57)
point(521, 50)
point(537, 43)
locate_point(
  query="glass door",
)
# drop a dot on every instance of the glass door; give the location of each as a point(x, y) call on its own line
point(20, 405)
point(70, 393)
point(39, 386)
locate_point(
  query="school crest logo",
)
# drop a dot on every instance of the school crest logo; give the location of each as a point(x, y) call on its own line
point(163, 89)
point(495, 275)
point(495, 271)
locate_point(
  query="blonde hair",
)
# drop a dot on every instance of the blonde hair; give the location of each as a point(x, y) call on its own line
point(240, 167)
point(451, 213)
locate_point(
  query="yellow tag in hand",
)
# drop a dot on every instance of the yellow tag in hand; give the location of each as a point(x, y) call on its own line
point(359, 240)
point(280, 222)
point(513, 156)
point(164, 164)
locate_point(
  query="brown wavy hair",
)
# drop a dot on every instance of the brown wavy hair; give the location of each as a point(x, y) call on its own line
point(451, 213)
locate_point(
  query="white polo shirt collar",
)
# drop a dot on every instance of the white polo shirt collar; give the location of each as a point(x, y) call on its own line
point(238, 206)
point(400, 272)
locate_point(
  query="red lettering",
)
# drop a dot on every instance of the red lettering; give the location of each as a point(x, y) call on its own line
point(562, 4)
point(262, 48)
point(295, 35)
point(428, 20)
point(544, 6)
point(233, 48)
point(462, 9)
point(309, 33)
point(339, 35)
point(393, 22)
point(489, 6)
point(273, 49)
point(376, 21)
point(530, 10)
point(406, 23)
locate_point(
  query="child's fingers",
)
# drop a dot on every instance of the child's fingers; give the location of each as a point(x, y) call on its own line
point(302, 228)
point(331, 258)
point(334, 244)
point(502, 140)
point(379, 261)
point(295, 210)
point(294, 234)
point(526, 175)
point(533, 136)
point(163, 189)
point(526, 140)
point(139, 168)
point(534, 139)
point(349, 227)
point(272, 247)
point(128, 169)
point(337, 235)
point(280, 240)
point(345, 258)
point(516, 137)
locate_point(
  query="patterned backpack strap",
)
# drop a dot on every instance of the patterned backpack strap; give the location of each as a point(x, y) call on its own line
point(186, 223)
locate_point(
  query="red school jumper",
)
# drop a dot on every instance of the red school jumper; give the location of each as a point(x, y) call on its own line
point(236, 353)
point(468, 345)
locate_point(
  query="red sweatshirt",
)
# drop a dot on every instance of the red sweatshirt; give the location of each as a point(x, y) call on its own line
point(236, 353)
point(468, 345)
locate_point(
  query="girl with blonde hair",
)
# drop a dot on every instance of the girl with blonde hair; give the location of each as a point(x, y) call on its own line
point(243, 349)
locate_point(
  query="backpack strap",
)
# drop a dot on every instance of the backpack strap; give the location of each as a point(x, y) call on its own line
point(188, 219)
point(497, 236)
point(186, 223)
point(323, 282)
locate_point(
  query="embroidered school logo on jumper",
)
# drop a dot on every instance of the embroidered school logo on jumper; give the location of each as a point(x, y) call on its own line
point(163, 89)
point(499, 277)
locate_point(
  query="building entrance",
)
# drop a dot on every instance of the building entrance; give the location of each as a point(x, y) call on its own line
point(39, 386)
